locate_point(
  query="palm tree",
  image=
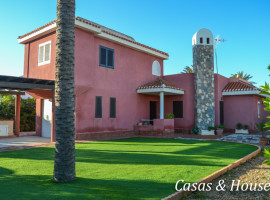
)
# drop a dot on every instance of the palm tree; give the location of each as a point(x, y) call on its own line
point(243, 75)
point(64, 163)
point(187, 69)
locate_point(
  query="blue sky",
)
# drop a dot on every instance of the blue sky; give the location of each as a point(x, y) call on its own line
point(165, 25)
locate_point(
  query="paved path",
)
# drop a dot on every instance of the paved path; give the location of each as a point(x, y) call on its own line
point(252, 139)
point(23, 141)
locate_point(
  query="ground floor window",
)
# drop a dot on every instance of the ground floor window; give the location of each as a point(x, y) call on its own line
point(98, 111)
point(259, 109)
point(178, 109)
point(112, 107)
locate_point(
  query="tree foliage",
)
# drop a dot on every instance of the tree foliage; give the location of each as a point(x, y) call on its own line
point(187, 69)
point(266, 102)
point(243, 75)
point(28, 111)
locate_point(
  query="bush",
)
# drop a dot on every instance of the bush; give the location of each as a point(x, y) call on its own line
point(169, 116)
point(267, 155)
point(261, 127)
point(221, 126)
point(211, 128)
point(195, 129)
point(28, 111)
point(239, 126)
point(245, 127)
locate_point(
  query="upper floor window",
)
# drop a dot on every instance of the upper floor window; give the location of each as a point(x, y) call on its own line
point(156, 69)
point(106, 57)
point(44, 53)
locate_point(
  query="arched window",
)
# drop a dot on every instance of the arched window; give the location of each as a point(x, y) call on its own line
point(156, 69)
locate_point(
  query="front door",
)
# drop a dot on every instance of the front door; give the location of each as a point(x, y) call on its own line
point(153, 110)
point(221, 112)
point(46, 118)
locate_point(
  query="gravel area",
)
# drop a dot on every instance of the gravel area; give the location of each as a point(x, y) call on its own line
point(253, 171)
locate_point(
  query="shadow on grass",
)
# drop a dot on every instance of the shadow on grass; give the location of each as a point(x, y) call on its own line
point(169, 152)
point(41, 187)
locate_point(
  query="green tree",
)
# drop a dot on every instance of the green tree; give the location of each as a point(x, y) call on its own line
point(28, 111)
point(187, 69)
point(64, 162)
point(266, 102)
point(243, 75)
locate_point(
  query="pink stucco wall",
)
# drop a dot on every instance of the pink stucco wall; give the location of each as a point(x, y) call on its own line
point(186, 82)
point(131, 69)
point(31, 68)
point(242, 109)
point(220, 83)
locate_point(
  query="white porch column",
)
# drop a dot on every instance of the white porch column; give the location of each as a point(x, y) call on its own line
point(161, 95)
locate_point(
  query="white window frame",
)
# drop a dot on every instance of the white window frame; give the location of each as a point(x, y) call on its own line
point(48, 61)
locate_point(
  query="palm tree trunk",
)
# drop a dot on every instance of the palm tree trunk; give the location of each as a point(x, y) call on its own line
point(64, 163)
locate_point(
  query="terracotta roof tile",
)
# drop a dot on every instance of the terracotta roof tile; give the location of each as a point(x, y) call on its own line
point(239, 85)
point(159, 83)
point(104, 29)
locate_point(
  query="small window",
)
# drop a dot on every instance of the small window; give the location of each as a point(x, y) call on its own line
point(156, 69)
point(44, 53)
point(98, 112)
point(106, 57)
point(259, 109)
point(201, 40)
point(178, 109)
point(112, 107)
point(208, 40)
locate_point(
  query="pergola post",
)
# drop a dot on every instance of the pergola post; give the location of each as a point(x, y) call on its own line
point(161, 95)
point(17, 115)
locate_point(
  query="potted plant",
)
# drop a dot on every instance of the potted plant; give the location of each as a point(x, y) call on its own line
point(261, 128)
point(195, 130)
point(210, 131)
point(220, 129)
point(241, 129)
point(169, 116)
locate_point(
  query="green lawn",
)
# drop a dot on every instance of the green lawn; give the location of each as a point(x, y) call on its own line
point(135, 168)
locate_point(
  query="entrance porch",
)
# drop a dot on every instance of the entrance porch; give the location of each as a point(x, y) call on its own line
point(161, 88)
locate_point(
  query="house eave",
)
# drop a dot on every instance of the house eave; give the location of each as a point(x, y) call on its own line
point(99, 33)
point(243, 92)
point(156, 91)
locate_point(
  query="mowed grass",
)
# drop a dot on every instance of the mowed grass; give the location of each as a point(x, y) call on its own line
point(134, 168)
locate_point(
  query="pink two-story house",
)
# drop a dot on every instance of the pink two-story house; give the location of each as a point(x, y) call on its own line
point(120, 82)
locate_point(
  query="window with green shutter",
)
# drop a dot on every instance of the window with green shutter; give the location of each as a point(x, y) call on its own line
point(98, 110)
point(106, 57)
point(112, 107)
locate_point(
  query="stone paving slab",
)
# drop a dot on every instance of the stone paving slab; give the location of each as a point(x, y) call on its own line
point(242, 138)
point(23, 141)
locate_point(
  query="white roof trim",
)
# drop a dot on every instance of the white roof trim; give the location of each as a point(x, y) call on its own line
point(157, 90)
point(131, 45)
point(98, 33)
point(241, 92)
point(87, 27)
point(44, 31)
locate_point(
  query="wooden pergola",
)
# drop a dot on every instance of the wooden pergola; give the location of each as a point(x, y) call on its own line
point(38, 88)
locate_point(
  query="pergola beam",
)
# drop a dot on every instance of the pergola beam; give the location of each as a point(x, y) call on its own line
point(11, 92)
point(16, 85)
